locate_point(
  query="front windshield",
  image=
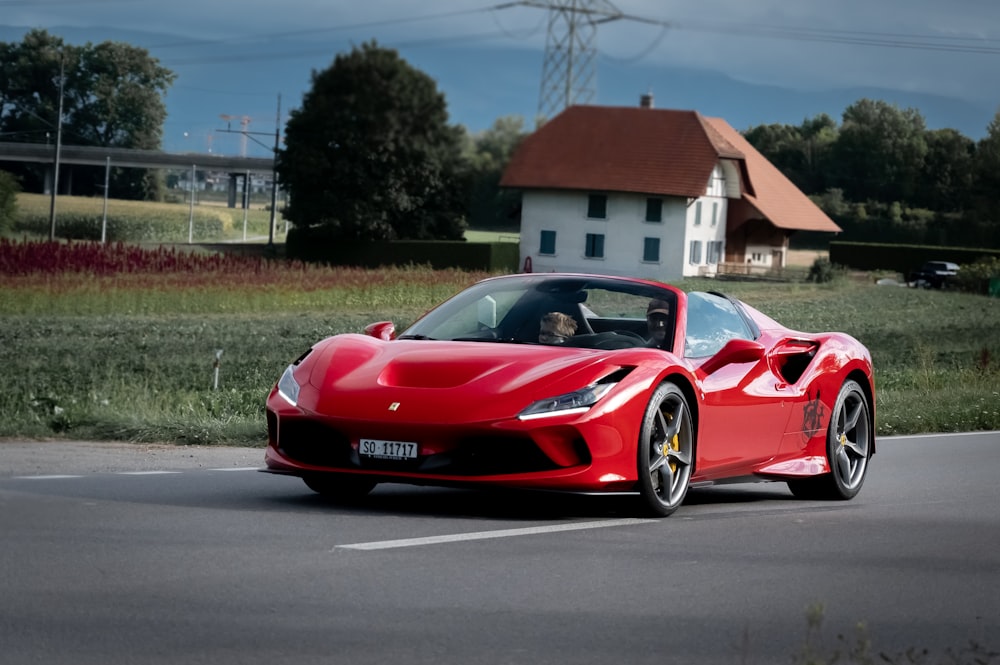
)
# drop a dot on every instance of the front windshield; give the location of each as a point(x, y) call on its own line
point(588, 312)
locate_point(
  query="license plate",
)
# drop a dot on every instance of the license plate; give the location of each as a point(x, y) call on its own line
point(394, 450)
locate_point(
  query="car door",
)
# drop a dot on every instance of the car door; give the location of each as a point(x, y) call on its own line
point(743, 411)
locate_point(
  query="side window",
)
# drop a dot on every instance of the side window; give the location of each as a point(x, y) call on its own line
point(547, 243)
point(651, 250)
point(714, 251)
point(595, 246)
point(597, 206)
point(711, 322)
point(654, 210)
point(694, 256)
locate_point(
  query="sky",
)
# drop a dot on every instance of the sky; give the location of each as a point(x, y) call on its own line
point(748, 61)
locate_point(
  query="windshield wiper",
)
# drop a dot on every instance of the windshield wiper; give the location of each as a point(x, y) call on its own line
point(415, 337)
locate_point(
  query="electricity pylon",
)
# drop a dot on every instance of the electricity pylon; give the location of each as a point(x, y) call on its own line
point(568, 72)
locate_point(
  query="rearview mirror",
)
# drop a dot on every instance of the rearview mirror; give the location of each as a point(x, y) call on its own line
point(383, 330)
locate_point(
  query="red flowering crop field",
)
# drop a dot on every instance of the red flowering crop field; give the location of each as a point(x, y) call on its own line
point(92, 278)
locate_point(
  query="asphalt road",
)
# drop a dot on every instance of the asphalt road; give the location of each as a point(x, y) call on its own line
point(107, 558)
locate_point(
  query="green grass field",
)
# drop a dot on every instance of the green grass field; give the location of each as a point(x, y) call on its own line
point(128, 354)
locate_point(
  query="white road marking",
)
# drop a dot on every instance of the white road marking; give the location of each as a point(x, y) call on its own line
point(484, 535)
point(161, 472)
point(243, 468)
point(53, 477)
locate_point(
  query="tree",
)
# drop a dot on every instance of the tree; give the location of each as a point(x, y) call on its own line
point(986, 185)
point(946, 177)
point(986, 166)
point(782, 146)
point(370, 154)
point(879, 152)
point(801, 153)
point(112, 96)
point(487, 154)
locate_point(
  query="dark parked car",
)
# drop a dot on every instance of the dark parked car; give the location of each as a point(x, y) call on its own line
point(933, 274)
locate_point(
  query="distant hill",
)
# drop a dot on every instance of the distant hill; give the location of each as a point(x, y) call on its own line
point(479, 84)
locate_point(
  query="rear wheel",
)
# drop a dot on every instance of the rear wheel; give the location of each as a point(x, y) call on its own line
point(849, 442)
point(340, 487)
point(666, 451)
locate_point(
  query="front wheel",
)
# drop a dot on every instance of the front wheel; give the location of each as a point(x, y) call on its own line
point(849, 442)
point(665, 451)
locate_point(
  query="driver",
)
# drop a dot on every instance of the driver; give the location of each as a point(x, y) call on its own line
point(657, 322)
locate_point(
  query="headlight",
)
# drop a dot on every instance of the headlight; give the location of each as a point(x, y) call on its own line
point(575, 402)
point(288, 387)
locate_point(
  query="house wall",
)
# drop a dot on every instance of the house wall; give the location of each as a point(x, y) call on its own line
point(624, 232)
point(756, 243)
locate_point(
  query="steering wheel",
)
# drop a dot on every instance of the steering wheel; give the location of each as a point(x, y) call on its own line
point(630, 334)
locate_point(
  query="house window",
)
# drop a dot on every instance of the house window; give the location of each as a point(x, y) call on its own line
point(697, 213)
point(597, 206)
point(654, 210)
point(595, 246)
point(714, 251)
point(547, 243)
point(694, 255)
point(651, 250)
point(715, 213)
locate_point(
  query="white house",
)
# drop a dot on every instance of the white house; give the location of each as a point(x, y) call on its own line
point(661, 194)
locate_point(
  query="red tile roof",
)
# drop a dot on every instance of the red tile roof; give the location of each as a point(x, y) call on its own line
point(653, 151)
point(774, 196)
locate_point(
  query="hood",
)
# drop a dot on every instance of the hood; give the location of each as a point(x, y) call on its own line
point(360, 377)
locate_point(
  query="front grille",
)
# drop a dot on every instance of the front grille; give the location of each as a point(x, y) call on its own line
point(316, 444)
point(310, 442)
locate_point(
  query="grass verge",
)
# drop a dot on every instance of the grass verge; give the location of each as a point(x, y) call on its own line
point(129, 355)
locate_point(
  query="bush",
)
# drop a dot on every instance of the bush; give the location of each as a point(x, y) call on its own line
point(975, 277)
point(822, 271)
point(9, 188)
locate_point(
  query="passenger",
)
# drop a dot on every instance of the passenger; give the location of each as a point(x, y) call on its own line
point(556, 327)
point(658, 322)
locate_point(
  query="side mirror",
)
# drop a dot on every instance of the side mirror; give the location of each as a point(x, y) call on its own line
point(734, 352)
point(383, 330)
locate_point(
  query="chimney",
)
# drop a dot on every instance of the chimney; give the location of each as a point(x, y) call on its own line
point(646, 101)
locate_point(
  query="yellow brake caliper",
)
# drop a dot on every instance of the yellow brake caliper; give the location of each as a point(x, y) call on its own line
point(673, 444)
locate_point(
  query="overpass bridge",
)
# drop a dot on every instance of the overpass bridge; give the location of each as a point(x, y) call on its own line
point(237, 167)
point(130, 158)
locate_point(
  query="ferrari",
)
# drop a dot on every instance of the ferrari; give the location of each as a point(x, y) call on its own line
point(578, 383)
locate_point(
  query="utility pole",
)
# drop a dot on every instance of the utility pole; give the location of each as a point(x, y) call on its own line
point(274, 163)
point(274, 176)
point(55, 166)
point(568, 71)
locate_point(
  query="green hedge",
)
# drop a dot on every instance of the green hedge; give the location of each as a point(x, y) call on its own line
point(901, 258)
point(438, 254)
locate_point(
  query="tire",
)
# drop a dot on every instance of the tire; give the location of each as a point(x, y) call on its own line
point(849, 445)
point(665, 456)
point(340, 487)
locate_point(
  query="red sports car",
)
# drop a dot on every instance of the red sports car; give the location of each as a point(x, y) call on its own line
point(580, 383)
